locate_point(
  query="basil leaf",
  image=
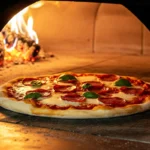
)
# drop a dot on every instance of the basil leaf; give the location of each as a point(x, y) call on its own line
point(90, 95)
point(34, 95)
point(86, 85)
point(123, 82)
point(67, 77)
point(36, 83)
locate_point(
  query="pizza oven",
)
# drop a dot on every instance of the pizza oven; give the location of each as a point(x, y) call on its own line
point(46, 37)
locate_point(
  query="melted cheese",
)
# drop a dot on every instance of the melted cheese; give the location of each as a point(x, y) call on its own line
point(87, 78)
point(109, 83)
point(47, 86)
point(55, 99)
point(124, 96)
point(64, 83)
point(22, 89)
point(93, 101)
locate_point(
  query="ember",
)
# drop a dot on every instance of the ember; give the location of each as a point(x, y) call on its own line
point(18, 41)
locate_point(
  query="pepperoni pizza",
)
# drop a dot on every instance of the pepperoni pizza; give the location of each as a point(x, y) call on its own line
point(76, 95)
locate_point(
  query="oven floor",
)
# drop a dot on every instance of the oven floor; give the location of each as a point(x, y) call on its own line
point(20, 131)
point(138, 66)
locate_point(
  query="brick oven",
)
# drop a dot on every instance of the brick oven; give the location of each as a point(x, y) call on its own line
point(101, 36)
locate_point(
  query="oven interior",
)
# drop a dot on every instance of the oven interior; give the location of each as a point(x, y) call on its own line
point(79, 37)
point(83, 37)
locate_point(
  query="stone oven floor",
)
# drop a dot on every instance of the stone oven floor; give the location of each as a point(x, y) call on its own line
point(18, 131)
point(138, 66)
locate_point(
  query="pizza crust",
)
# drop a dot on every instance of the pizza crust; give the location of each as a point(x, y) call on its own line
point(98, 113)
point(16, 106)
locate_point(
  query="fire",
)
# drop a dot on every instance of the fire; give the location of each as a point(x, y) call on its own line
point(20, 40)
point(17, 23)
point(32, 34)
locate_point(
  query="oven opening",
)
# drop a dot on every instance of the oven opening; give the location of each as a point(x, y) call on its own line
point(51, 36)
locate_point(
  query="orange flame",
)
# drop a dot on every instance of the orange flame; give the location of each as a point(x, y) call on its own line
point(20, 28)
point(32, 34)
point(17, 23)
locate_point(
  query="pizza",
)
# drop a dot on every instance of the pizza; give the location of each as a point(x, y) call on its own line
point(76, 95)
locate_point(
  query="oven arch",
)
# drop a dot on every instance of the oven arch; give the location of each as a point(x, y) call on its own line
point(139, 8)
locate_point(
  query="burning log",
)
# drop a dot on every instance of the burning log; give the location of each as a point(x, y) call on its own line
point(19, 41)
point(19, 48)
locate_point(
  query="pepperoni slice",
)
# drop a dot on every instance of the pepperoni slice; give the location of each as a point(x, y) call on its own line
point(73, 97)
point(146, 92)
point(137, 100)
point(136, 82)
point(113, 101)
point(12, 93)
point(58, 107)
point(45, 93)
point(69, 81)
point(108, 91)
point(146, 86)
point(93, 85)
point(64, 88)
point(135, 91)
point(108, 77)
point(19, 96)
point(28, 81)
